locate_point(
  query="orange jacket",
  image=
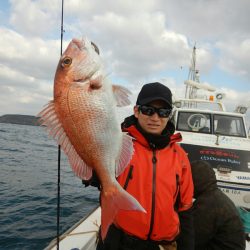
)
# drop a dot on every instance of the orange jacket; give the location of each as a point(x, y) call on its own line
point(151, 179)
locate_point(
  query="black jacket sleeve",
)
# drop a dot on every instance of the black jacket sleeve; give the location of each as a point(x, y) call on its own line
point(93, 181)
point(186, 238)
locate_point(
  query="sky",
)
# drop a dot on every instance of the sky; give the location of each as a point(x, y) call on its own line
point(140, 42)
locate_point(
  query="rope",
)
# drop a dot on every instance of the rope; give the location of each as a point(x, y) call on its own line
point(69, 232)
point(79, 233)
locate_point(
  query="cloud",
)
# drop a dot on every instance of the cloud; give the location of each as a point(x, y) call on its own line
point(34, 18)
point(139, 42)
point(26, 72)
point(22, 54)
point(18, 100)
point(208, 20)
point(235, 57)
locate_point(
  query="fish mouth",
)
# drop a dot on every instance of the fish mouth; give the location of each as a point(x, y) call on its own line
point(87, 78)
point(82, 80)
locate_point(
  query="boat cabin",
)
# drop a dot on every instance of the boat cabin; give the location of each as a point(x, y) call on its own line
point(210, 123)
point(212, 134)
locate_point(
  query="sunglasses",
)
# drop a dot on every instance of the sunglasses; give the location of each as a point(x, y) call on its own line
point(149, 111)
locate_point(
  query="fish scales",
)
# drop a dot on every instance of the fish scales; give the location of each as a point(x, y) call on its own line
point(95, 127)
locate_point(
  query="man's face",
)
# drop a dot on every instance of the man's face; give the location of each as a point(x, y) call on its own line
point(152, 124)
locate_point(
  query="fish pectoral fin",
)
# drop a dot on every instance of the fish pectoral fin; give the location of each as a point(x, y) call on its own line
point(49, 118)
point(121, 95)
point(125, 155)
point(112, 202)
point(80, 168)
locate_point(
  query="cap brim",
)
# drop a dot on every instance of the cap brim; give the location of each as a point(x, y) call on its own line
point(151, 99)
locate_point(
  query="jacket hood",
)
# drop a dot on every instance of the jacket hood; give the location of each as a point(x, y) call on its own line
point(203, 177)
point(167, 137)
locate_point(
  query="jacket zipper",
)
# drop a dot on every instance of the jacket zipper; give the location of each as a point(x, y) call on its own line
point(129, 177)
point(154, 160)
point(177, 193)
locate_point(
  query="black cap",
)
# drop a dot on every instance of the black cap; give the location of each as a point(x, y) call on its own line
point(154, 91)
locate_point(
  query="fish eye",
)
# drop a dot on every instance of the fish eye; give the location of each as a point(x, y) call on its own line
point(66, 61)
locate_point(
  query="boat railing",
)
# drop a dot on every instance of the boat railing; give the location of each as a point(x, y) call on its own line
point(199, 104)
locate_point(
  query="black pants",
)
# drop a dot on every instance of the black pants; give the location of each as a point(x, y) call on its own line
point(118, 240)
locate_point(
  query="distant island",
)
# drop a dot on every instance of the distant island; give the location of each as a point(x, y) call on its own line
point(20, 119)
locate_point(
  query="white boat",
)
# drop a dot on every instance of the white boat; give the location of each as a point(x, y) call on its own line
point(219, 137)
point(206, 136)
point(209, 133)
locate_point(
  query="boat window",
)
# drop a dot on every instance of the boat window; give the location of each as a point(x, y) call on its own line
point(194, 122)
point(229, 125)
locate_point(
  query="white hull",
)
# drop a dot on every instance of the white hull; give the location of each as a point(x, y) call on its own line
point(238, 193)
point(82, 236)
point(232, 152)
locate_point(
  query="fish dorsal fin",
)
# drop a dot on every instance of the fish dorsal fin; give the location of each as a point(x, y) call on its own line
point(125, 155)
point(121, 95)
point(49, 118)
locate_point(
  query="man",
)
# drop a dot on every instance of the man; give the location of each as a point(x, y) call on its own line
point(158, 176)
point(216, 219)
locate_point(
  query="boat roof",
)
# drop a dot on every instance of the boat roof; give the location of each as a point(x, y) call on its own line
point(199, 104)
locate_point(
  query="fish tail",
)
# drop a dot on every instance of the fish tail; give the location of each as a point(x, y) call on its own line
point(113, 201)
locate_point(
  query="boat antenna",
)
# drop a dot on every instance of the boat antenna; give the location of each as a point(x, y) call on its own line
point(193, 75)
point(59, 159)
point(192, 69)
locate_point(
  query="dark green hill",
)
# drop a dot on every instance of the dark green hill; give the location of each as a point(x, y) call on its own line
point(20, 119)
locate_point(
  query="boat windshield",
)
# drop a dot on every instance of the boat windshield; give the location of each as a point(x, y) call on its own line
point(202, 122)
point(194, 122)
point(229, 125)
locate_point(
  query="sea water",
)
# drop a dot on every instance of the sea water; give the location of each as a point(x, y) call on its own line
point(28, 189)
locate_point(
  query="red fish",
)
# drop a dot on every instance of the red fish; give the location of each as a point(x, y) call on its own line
point(82, 118)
